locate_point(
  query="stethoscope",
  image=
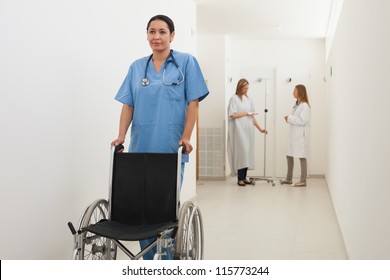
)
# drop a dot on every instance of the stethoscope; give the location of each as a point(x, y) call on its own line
point(145, 81)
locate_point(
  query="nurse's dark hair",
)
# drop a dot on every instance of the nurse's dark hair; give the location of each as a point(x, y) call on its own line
point(302, 93)
point(240, 84)
point(165, 19)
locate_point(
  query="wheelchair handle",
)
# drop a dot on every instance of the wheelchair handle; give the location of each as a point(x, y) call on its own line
point(119, 147)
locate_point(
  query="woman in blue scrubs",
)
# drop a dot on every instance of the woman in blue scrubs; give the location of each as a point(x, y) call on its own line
point(160, 96)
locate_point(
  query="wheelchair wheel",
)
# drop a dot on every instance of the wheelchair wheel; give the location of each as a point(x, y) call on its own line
point(189, 237)
point(95, 247)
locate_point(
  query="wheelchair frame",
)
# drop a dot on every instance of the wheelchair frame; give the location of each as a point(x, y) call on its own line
point(184, 237)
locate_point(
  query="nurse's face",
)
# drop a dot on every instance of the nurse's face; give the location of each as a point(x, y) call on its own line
point(159, 36)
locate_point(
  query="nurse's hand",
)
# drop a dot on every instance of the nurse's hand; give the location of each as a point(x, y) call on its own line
point(117, 142)
point(187, 144)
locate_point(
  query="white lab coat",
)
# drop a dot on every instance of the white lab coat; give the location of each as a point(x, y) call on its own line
point(298, 140)
point(240, 148)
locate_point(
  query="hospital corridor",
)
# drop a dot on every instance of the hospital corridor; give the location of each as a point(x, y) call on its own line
point(262, 222)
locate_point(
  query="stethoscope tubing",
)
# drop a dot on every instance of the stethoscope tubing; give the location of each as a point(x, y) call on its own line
point(145, 81)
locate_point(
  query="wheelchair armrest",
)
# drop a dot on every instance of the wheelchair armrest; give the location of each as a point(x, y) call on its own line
point(72, 229)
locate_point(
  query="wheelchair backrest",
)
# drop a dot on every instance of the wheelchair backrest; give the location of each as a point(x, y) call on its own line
point(144, 188)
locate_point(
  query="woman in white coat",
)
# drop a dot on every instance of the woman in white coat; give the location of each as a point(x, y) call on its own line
point(241, 133)
point(299, 121)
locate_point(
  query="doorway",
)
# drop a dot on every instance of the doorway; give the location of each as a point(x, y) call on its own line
point(271, 91)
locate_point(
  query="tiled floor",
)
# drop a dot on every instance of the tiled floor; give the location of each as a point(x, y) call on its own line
point(266, 222)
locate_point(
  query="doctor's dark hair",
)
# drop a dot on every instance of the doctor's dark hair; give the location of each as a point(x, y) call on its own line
point(241, 83)
point(302, 93)
point(165, 19)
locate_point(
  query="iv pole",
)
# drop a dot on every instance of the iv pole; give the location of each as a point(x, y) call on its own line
point(264, 178)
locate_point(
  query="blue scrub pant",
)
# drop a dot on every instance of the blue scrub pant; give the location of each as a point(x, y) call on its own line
point(144, 243)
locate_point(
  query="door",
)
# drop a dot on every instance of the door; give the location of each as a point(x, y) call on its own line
point(272, 93)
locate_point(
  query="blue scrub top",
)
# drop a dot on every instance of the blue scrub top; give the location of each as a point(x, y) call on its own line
point(160, 110)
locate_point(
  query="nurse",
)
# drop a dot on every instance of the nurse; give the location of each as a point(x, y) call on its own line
point(160, 96)
point(241, 124)
point(299, 121)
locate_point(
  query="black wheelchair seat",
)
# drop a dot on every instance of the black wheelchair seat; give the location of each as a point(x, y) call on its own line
point(118, 231)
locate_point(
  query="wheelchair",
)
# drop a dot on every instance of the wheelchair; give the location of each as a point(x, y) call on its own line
point(143, 203)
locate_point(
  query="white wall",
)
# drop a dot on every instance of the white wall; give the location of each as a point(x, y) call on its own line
point(222, 58)
point(62, 63)
point(359, 151)
point(211, 55)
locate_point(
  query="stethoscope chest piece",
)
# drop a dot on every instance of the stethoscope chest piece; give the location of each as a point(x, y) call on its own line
point(145, 82)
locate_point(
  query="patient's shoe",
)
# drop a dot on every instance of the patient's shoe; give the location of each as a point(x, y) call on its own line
point(299, 184)
point(288, 182)
point(241, 183)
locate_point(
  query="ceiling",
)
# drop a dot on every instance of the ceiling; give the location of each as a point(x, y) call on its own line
point(264, 19)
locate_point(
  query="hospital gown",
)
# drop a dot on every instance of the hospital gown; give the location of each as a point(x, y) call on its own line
point(240, 135)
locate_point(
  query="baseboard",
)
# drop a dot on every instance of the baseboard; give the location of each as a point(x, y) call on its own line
point(212, 178)
point(223, 178)
point(316, 176)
